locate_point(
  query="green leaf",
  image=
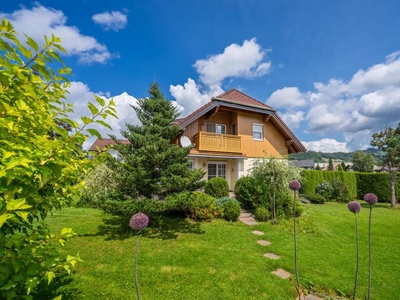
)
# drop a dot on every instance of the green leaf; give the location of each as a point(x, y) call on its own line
point(17, 204)
point(104, 124)
point(32, 43)
point(93, 108)
point(23, 215)
point(95, 133)
point(58, 297)
point(100, 100)
point(50, 276)
point(86, 120)
point(3, 218)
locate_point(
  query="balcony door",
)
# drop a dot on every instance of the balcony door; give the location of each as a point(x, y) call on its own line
point(216, 128)
point(216, 170)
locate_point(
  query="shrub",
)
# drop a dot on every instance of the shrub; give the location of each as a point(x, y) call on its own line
point(231, 210)
point(222, 201)
point(340, 191)
point(251, 194)
point(217, 187)
point(131, 207)
point(376, 183)
point(262, 214)
point(284, 203)
point(315, 198)
point(324, 189)
point(299, 209)
point(203, 207)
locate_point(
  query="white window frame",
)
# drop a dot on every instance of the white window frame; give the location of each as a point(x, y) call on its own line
point(215, 130)
point(260, 126)
point(218, 164)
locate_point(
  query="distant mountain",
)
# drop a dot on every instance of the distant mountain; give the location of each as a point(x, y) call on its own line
point(320, 157)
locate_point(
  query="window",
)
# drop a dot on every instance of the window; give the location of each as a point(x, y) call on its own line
point(216, 128)
point(257, 132)
point(216, 170)
point(191, 164)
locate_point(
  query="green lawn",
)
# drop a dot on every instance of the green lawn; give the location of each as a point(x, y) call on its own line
point(182, 259)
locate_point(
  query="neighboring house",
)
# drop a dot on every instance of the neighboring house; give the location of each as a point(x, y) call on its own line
point(307, 164)
point(229, 134)
point(99, 145)
point(232, 131)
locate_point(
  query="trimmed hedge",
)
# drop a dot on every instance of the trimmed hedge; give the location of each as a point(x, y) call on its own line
point(358, 183)
point(314, 178)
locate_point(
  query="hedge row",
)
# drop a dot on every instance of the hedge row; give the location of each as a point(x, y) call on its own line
point(359, 183)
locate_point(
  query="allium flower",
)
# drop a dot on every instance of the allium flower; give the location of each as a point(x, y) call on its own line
point(354, 207)
point(294, 185)
point(370, 198)
point(139, 221)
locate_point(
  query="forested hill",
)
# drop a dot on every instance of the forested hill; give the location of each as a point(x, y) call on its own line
point(336, 156)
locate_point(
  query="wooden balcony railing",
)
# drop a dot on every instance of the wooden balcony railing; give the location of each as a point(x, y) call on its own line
point(209, 141)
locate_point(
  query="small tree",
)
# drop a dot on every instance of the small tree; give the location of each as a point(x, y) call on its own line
point(363, 162)
point(39, 171)
point(389, 142)
point(151, 165)
point(318, 167)
point(330, 165)
point(276, 175)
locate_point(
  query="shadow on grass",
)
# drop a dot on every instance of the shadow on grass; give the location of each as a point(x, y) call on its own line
point(60, 285)
point(376, 205)
point(161, 227)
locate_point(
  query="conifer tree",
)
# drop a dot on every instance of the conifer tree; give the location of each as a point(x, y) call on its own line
point(330, 165)
point(151, 165)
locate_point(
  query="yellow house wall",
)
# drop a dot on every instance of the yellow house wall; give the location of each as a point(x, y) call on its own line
point(273, 142)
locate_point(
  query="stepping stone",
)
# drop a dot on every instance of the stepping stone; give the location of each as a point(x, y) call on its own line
point(248, 221)
point(271, 255)
point(258, 232)
point(264, 243)
point(281, 273)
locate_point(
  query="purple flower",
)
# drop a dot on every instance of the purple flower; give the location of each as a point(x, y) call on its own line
point(139, 221)
point(354, 207)
point(370, 198)
point(294, 185)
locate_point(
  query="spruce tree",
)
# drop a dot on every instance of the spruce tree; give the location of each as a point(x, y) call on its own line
point(151, 165)
point(330, 165)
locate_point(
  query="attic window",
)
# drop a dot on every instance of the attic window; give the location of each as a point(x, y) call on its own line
point(257, 132)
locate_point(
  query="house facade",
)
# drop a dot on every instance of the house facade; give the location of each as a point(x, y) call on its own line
point(231, 132)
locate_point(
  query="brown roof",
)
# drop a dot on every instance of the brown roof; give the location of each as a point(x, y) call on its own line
point(180, 121)
point(101, 144)
point(238, 96)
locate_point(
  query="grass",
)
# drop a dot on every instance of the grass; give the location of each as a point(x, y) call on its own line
point(183, 259)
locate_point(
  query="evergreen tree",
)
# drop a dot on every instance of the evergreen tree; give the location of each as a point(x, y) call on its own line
point(330, 165)
point(151, 165)
point(318, 167)
point(343, 166)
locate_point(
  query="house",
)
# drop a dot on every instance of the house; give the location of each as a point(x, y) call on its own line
point(231, 132)
point(100, 144)
point(307, 164)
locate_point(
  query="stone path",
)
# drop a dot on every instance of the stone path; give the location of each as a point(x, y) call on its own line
point(281, 273)
point(264, 243)
point(272, 255)
point(247, 218)
point(257, 232)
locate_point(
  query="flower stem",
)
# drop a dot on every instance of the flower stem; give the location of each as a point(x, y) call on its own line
point(357, 259)
point(370, 252)
point(295, 247)
point(136, 262)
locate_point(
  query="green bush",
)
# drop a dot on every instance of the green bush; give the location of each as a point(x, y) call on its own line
point(131, 207)
point(231, 210)
point(299, 209)
point(324, 189)
point(222, 201)
point(377, 183)
point(262, 214)
point(315, 198)
point(203, 207)
point(217, 187)
point(250, 193)
point(340, 191)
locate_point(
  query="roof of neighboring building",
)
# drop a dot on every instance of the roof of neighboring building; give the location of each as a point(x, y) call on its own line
point(305, 163)
point(100, 144)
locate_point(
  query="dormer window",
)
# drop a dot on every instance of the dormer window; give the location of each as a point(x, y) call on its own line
point(216, 128)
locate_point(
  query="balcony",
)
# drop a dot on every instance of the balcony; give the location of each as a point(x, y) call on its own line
point(209, 141)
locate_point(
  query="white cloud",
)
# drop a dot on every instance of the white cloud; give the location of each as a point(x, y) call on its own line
point(40, 21)
point(293, 119)
point(288, 97)
point(114, 20)
point(235, 61)
point(191, 96)
point(326, 145)
point(80, 94)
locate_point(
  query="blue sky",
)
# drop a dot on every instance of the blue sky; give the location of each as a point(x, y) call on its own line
point(330, 68)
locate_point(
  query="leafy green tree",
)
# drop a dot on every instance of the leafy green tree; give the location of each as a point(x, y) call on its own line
point(276, 175)
point(388, 141)
point(151, 165)
point(38, 172)
point(330, 165)
point(363, 162)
